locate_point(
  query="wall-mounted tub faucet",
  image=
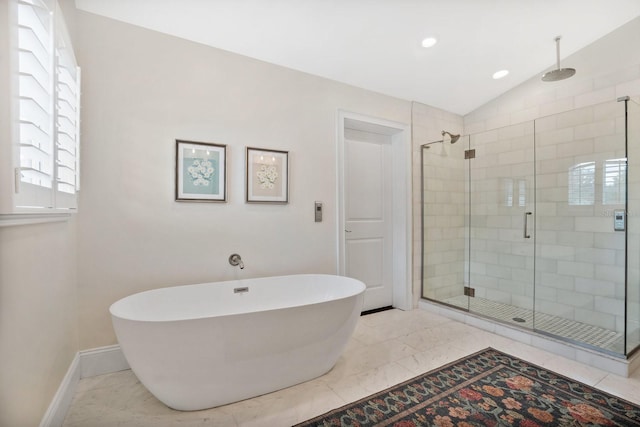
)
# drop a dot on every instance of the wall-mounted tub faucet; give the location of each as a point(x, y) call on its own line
point(234, 259)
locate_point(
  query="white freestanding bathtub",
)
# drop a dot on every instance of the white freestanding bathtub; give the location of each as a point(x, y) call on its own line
point(201, 346)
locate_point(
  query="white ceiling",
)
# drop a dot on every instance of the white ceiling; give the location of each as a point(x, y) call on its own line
point(375, 44)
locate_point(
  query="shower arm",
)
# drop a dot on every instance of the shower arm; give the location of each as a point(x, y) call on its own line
point(426, 145)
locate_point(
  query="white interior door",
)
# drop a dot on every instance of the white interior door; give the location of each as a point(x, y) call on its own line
point(368, 180)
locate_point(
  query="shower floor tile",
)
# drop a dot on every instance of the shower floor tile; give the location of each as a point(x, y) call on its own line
point(386, 348)
point(555, 325)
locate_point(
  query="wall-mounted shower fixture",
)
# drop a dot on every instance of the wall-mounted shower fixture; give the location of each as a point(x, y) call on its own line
point(454, 139)
point(558, 73)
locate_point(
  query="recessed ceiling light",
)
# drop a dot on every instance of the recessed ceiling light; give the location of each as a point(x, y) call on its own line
point(429, 42)
point(500, 74)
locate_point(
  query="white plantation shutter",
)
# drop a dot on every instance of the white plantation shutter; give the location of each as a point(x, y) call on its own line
point(67, 120)
point(48, 110)
point(615, 182)
point(522, 193)
point(35, 92)
point(582, 179)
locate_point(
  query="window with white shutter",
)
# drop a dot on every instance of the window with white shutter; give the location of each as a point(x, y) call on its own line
point(615, 182)
point(67, 113)
point(44, 110)
point(35, 92)
point(522, 193)
point(582, 180)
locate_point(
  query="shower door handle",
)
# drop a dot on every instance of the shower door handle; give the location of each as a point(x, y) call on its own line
point(526, 217)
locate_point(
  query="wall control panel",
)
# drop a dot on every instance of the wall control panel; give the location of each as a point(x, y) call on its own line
point(318, 211)
point(619, 220)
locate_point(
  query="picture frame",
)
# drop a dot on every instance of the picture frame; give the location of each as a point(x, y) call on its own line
point(201, 172)
point(267, 176)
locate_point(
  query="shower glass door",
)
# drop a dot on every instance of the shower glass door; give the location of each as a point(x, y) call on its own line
point(443, 221)
point(501, 224)
point(536, 224)
point(633, 225)
point(581, 177)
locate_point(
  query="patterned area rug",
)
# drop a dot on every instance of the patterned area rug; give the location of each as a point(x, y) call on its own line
point(488, 388)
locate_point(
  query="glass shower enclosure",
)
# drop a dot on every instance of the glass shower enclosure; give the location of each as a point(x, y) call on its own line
point(535, 225)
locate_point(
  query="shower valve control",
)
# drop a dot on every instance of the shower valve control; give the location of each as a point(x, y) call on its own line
point(619, 219)
point(318, 211)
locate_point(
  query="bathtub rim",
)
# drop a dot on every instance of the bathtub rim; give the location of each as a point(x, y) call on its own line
point(112, 308)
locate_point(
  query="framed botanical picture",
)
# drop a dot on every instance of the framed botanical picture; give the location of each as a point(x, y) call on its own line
point(201, 172)
point(267, 176)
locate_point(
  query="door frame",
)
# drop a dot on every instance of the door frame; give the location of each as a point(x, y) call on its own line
point(400, 134)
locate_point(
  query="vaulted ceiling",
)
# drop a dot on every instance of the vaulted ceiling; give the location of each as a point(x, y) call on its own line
point(376, 44)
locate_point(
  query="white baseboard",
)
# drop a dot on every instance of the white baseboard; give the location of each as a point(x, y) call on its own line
point(59, 406)
point(102, 360)
point(85, 364)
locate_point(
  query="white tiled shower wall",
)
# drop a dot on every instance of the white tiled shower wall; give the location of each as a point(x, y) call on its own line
point(444, 204)
point(588, 283)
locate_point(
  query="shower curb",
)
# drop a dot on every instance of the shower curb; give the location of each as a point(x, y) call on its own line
point(611, 364)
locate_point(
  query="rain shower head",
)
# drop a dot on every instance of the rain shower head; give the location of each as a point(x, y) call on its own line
point(558, 73)
point(453, 137)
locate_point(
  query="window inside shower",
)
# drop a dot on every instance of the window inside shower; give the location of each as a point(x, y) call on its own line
point(539, 228)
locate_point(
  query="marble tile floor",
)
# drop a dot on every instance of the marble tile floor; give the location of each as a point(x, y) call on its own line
point(387, 348)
